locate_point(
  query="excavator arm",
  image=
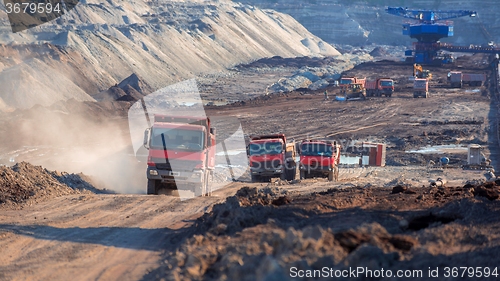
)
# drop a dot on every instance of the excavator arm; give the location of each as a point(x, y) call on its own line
point(419, 72)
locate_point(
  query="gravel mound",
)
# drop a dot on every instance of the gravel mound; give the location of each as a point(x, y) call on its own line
point(379, 52)
point(251, 238)
point(267, 253)
point(235, 214)
point(25, 183)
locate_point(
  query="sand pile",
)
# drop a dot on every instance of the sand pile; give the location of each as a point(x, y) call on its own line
point(102, 44)
point(251, 238)
point(25, 183)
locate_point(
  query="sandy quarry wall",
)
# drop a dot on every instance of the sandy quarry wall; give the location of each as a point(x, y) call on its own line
point(98, 44)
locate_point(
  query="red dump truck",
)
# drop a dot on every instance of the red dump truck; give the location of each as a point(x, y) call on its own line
point(421, 88)
point(319, 158)
point(379, 87)
point(347, 80)
point(181, 153)
point(271, 156)
point(457, 79)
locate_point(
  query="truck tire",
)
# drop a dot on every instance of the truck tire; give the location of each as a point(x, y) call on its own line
point(205, 184)
point(198, 190)
point(290, 173)
point(152, 184)
point(255, 178)
point(415, 95)
point(210, 183)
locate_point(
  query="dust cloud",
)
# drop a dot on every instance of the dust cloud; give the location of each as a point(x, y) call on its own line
point(75, 137)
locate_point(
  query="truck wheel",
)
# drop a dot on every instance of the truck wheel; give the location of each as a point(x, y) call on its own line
point(290, 173)
point(210, 183)
point(283, 174)
point(152, 187)
point(205, 185)
point(415, 95)
point(198, 190)
point(330, 176)
point(255, 178)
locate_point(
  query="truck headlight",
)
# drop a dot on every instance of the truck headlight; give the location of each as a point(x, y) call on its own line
point(153, 172)
point(197, 174)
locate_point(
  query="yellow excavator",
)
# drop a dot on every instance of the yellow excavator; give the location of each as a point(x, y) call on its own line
point(418, 72)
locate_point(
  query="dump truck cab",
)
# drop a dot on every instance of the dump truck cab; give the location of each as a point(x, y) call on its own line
point(379, 87)
point(271, 156)
point(420, 88)
point(181, 154)
point(319, 158)
point(344, 81)
point(385, 86)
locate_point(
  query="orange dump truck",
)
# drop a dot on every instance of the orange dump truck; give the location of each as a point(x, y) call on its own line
point(347, 80)
point(379, 87)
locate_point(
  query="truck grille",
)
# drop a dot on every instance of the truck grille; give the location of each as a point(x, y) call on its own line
point(267, 165)
point(178, 165)
point(314, 164)
point(171, 178)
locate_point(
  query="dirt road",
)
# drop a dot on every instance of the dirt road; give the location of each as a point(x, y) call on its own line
point(94, 237)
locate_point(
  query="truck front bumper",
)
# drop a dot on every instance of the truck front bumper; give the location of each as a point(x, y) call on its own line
point(266, 172)
point(166, 176)
point(316, 171)
point(315, 168)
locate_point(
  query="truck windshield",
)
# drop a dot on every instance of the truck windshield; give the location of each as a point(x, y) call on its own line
point(177, 139)
point(345, 81)
point(316, 149)
point(267, 148)
point(386, 83)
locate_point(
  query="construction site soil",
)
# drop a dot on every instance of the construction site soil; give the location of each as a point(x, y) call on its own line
point(397, 217)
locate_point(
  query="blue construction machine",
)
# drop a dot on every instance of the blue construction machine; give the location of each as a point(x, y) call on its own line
point(428, 27)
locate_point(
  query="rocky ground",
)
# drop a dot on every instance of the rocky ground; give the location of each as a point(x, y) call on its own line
point(25, 184)
point(271, 233)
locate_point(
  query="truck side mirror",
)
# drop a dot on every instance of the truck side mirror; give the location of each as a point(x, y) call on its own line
point(146, 138)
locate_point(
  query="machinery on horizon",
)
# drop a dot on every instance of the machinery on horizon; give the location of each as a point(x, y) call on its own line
point(428, 27)
point(419, 72)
